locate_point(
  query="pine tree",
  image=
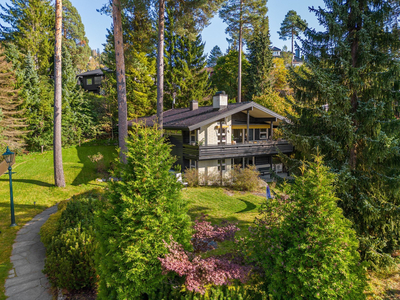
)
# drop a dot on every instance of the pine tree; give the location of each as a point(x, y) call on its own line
point(291, 26)
point(260, 64)
point(213, 56)
point(11, 123)
point(74, 37)
point(242, 16)
point(31, 26)
point(353, 68)
point(59, 179)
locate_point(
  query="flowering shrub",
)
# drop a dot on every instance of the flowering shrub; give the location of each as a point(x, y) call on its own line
point(303, 243)
point(199, 271)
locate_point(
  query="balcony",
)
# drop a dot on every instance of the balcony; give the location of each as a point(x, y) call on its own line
point(252, 148)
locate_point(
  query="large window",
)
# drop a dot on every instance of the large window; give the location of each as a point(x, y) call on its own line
point(89, 81)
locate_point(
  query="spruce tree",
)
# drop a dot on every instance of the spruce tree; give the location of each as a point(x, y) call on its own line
point(353, 70)
point(37, 93)
point(191, 64)
point(260, 64)
point(213, 56)
point(142, 210)
point(77, 117)
point(31, 26)
point(185, 76)
point(11, 121)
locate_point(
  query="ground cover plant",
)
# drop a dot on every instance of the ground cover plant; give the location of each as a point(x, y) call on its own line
point(34, 191)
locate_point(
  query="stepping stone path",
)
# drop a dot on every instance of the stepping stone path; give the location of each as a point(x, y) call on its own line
point(26, 280)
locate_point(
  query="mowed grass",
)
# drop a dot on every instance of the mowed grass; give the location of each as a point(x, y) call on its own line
point(34, 190)
point(221, 204)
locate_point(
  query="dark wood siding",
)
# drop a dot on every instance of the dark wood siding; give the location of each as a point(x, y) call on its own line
point(177, 149)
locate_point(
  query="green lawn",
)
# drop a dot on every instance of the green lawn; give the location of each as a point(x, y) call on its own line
point(34, 191)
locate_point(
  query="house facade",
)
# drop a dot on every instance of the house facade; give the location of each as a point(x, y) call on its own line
point(91, 80)
point(212, 139)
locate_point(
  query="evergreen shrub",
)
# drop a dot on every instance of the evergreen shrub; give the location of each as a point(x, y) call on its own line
point(70, 252)
point(303, 243)
point(49, 229)
point(142, 209)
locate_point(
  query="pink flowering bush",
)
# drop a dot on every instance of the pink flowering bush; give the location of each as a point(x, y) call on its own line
point(198, 271)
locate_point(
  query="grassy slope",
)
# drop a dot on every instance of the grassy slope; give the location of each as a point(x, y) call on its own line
point(33, 182)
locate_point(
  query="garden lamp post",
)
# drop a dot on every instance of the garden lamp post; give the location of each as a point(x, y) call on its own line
point(9, 157)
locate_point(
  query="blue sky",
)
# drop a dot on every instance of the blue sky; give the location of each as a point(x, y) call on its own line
point(96, 24)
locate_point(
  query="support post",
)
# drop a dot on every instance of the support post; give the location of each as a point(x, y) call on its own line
point(272, 129)
point(248, 125)
point(11, 199)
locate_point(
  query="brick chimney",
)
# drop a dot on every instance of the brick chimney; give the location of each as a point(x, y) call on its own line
point(220, 100)
point(194, 105)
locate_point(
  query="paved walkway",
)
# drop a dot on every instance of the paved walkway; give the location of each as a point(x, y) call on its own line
point(26, 280)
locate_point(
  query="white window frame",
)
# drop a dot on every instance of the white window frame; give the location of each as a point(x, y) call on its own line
point(264, 131)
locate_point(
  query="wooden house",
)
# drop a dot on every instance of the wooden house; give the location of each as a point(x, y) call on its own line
point(214, 138)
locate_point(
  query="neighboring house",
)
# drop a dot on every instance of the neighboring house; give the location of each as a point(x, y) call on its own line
point(296, 62)
point(91, 80)
point(214, 138)
point(276, 52)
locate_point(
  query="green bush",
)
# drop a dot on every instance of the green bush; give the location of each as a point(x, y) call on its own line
point(303, 243)
point(245, 179)
point(49, 229)
point(143, 209)
point(70, 251)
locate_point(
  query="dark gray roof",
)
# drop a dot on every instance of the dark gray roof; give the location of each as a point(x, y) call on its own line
point(186, 119)
point(98, 72)
point(275, 49)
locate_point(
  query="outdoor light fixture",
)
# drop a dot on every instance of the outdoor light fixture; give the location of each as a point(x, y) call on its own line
point(9, 158)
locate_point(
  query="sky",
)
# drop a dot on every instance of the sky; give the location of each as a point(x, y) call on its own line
point(96, 24)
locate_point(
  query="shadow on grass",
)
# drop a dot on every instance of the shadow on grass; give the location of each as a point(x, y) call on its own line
point(392, 294)
point(249, 206)
point(30, 181)
point(89, 170)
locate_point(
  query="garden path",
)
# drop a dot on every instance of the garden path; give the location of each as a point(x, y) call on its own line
point(26, 280)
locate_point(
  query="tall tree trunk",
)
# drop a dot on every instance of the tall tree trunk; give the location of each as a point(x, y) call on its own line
point(57, 147)
point(239, 98)
point(160, 64)
point(121, 82)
